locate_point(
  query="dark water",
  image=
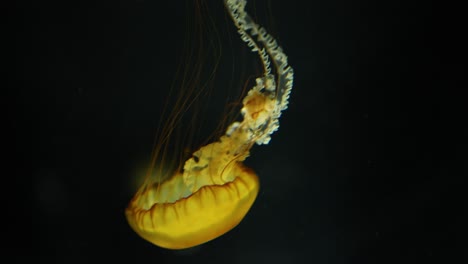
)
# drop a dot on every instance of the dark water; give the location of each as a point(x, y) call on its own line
point(364, 168)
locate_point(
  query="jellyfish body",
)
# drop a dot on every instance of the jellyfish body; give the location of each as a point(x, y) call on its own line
point(214, 190)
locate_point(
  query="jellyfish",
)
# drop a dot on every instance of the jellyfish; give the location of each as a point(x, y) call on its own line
point(214, 190)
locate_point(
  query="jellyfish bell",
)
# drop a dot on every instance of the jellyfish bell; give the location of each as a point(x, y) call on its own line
point(210, 192)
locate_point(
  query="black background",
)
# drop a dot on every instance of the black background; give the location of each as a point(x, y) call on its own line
point(364, 169)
